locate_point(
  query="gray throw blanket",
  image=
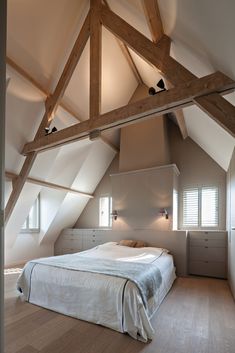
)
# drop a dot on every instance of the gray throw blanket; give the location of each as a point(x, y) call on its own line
point(147, 277)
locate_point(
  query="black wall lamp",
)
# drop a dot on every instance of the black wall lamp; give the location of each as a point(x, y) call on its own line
point(160, 85)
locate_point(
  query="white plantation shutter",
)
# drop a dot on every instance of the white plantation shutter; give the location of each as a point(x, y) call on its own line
point(209, 207)
point(190, 207)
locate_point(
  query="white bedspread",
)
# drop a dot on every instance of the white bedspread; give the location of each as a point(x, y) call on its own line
point(110, 301)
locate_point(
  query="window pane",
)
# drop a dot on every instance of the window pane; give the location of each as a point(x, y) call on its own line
point(34, 216)
point(32, 222)
point(190, 207)
point(104, 212)
point(209, 207)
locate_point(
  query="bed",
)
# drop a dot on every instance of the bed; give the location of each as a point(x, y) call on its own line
point(115, 286)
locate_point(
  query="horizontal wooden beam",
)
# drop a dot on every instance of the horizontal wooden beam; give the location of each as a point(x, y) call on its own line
point(13, 176)
point(161, 103)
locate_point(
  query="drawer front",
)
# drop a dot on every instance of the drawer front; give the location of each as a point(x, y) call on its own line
point(207, 254)
point(211, 269)
point(65, 250)
point(207, 235)
point(214, 243)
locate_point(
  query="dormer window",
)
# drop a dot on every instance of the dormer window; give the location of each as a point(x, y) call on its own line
point(32, 222)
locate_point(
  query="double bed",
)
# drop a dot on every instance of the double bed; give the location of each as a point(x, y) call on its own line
point(115, 286)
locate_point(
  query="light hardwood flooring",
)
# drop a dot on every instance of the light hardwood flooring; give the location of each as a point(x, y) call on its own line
point(197, 316)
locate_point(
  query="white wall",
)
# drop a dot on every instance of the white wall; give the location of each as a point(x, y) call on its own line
point(138, 196)
point(231, 223)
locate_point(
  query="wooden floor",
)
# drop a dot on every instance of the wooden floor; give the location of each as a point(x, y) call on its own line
point(197, 316)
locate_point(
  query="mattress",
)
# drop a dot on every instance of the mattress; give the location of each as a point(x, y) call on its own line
point(110, 301)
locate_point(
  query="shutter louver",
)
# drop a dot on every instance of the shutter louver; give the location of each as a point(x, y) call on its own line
point(190, 207)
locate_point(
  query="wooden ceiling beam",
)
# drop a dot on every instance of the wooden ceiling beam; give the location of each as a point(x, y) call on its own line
point(153, 18)
point(51, 105)
point(159, 104)
point(95, 58)
point(13, 176)
point(173, 71)
point(144, 47)
point(218, 107)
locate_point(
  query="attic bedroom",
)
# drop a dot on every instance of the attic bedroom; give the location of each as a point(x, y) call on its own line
point(117, 176)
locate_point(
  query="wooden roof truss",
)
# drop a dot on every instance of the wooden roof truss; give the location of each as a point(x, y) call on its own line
point(186, 88)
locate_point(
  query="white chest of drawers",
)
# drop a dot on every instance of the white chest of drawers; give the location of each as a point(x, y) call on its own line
point(75, 240)
point(207, 253)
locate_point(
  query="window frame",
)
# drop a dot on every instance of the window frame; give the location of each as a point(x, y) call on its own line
point(110, 223)
point(199, 225)
point(33, 230)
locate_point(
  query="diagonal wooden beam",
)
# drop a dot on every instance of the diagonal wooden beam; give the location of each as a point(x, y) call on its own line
point(144, 47)
point(153, 18)
point(13, 176)
point(169, 67)
point(161, 103)
point(95, 58)
point(215, 105)
point(51, 105)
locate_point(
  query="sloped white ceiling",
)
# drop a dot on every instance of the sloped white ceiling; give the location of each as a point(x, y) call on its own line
point(41, 34)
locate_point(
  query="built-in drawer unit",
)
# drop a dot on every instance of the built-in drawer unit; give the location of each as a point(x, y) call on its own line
point(207, 253)
point(75, 240)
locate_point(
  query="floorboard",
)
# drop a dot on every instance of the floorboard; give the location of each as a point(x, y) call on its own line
point(197, 316)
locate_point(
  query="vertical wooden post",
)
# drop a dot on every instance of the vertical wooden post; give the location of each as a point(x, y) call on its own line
point(95, 58)
point(3, 16)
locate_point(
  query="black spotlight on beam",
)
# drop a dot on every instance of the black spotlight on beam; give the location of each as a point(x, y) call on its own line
point(161, 85)
point(54, 129)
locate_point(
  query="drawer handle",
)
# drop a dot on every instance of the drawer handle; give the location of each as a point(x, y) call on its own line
point(206, 247)
point(206, 262)
point(206, 239)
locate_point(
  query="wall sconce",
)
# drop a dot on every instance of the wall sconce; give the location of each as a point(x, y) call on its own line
point(164, 212)
point(114, 214)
